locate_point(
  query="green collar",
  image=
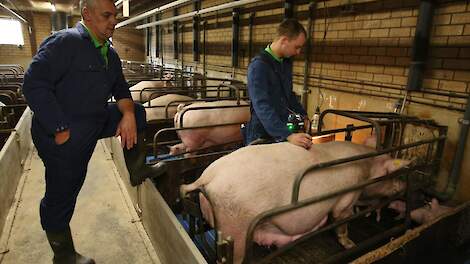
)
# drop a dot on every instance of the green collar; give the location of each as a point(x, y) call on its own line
point(270, 51)
point(103, 47)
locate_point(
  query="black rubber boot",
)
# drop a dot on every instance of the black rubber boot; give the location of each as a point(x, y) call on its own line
point(64, 251)
point(136, 163)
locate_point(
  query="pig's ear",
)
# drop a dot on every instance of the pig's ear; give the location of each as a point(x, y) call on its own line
point(434, 204)
point(392, 165)
point(370, 141)
point(179, 108)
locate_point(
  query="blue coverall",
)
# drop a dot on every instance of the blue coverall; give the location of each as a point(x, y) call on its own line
point(272, 98)
point(68, 85)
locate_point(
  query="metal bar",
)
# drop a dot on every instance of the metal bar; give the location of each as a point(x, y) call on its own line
point(250, 36)
point(459, 153)
point(14, 13)
point(329, 227)
point(200, 12)
point(196, 38)
point(204, 66)
point(158, 34)
point(354, 115)
point(288, 9)
point(299, 178)
point(151, 12)
point(161, 131)
point(207, 108)
point(149, 38)
point(420, 45)
point(339, 130)
point(308, 51)
point(430, 91)
point(175, 35)
point(182, 53)
point(235, 36)
point(201, 149)
point(283, 209)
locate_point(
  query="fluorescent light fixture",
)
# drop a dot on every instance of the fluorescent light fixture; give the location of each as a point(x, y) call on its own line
point(52, 7)
point(125, 8)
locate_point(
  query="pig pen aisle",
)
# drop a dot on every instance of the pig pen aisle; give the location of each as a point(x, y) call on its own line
point(103, 225)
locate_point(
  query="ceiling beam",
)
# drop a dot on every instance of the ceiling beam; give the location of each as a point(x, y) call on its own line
point(14, 13)
point(152, 12)
point(199, 12)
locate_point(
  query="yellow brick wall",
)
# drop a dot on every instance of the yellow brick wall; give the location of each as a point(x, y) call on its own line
point(10, 54)
point(362, 61)
point(128, 41)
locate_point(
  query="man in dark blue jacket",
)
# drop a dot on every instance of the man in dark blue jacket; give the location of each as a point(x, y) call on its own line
point(67, 86)
point(270, 88)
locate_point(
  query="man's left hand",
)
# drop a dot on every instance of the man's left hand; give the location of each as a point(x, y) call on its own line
point(127, 130)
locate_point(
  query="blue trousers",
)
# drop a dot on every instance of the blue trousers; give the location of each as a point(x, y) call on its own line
point(66, 164)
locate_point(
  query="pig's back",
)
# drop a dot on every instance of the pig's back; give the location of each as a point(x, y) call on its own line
point(155, 113)
point(204, 117)
point(257, 178)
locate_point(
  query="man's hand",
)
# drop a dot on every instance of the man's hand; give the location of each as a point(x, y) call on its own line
point(300, 139)
point(127, 130)
point(62, 137)
point(307, 124)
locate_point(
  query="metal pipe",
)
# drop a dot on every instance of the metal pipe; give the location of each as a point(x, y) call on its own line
point(200, 12)
point(421, 43)
point(157, 37)
point(300, 177)
point(204, 73)
point(196, 38)
point(175, 36)
point(429, 91)
point(151, 12)
point(14, 13)
point(250, 35)
point(308, 51)
point(235, 36)
point(182, 53)
point(458, 156)
point(370, 93)
point(312, 200)
point(288, 9)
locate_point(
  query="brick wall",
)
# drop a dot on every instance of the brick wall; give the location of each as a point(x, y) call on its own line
point(11, 54)
point(360, 63)
point(128, 41)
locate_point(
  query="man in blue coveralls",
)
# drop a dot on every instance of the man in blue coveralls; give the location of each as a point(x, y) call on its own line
point(67, 86)
point(270, 88)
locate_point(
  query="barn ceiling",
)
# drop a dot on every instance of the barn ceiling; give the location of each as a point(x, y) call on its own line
point(72, 6)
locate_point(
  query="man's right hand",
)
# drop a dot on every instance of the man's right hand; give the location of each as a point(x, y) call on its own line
point(62, 137)
point(300, 139)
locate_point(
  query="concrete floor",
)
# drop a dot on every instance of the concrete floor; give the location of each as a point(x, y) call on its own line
point(103, 226)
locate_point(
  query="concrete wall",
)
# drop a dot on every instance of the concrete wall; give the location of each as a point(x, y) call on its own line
point(12, 159)
point(362, 61)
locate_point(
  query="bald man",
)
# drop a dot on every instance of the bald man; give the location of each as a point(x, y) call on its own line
point(67, 86)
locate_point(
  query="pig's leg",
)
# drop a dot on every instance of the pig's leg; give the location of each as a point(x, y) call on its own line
point(236, 229)
point(206, 209)
point(177, 149)
point(398, 206)
point(342, 230)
